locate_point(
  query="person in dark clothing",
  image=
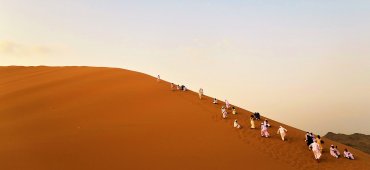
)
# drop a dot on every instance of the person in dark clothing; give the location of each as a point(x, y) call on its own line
point(309, 139)
point(257, 116)
point(183, 88)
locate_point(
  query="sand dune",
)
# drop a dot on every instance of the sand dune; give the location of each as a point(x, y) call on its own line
point(107, 118)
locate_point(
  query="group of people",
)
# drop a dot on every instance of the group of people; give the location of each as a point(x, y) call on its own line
point(255, 116)
point(178, 87)
point(315, 144)
point(223, 108)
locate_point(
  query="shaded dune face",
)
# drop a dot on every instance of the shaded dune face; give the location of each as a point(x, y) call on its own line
point(107, 118)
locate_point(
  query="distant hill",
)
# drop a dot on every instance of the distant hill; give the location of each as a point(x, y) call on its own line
point(356, 140)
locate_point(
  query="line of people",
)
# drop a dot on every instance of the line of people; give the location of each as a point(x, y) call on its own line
point(314, 143)
point(178, 87)
point(255, 116)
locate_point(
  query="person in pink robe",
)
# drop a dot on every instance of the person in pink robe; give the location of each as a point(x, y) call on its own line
point(264, 132)
point(227, 104)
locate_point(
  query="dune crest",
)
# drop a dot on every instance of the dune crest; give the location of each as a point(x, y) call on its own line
point(109, 118)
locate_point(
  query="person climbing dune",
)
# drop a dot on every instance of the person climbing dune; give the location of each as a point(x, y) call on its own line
point(348, 154)
point(200, 93)
point(236, 124)
point(234, 111)
point(252, 122)
point(214, 101)
point(316, 150)
point(264, 131)
point(334, 151)
point(224, 112)
point(227, 104)
point(172, 86)
point(282, 131)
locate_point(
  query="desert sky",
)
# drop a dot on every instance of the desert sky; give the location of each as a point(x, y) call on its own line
point(303, 63)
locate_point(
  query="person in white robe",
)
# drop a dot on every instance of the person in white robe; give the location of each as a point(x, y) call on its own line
point(316, 150)
point(223, 109)
point(234, 111)
point(334, 152)
point(348, 154)
point(224, 112)
point(158, 78)
point(236, 124)
point(200, 93)
point(282, 131)
point(214, 101)
point(252, 122)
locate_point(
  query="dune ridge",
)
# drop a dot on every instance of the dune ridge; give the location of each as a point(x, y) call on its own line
point(110, 118)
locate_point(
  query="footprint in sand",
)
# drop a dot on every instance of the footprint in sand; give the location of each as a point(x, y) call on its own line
point(242, 136)
point(215, 117)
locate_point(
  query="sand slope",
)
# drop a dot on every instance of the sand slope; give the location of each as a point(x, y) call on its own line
point(107, 118)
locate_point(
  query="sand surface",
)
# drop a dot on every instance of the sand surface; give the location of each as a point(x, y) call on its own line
point(108, 118)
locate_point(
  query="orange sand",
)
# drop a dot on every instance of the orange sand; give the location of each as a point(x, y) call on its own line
point(107, 118)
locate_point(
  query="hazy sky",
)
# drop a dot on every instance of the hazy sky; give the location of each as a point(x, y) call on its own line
point(304, 63)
